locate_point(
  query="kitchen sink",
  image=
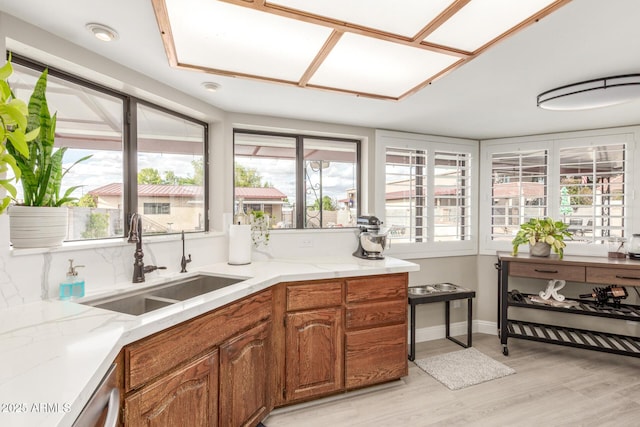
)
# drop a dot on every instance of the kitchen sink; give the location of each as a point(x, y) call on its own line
point(154, 298)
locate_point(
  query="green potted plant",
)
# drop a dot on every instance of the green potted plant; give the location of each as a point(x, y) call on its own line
point(13, 126)
point(41, 220)
point(542, 234)
point(260, 233)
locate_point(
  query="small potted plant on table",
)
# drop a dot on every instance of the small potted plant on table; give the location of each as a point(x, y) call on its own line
point(542, 234)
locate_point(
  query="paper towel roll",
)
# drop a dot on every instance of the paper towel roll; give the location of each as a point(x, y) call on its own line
point(239, 244)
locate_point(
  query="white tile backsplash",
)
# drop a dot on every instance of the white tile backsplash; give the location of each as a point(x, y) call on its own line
point(32, 275)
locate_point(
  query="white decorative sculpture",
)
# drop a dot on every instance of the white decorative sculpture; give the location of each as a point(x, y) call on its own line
point(552, 290)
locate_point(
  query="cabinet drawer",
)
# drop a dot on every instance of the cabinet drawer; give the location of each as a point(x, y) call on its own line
point(152, 356)
point(613, 276)
point(376, 314)
point(572, 273)
point(314, 295)
point(392, 286)
point(376, 355)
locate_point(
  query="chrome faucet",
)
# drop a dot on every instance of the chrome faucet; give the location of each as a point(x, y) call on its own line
point(135, 236)
point(184, 261)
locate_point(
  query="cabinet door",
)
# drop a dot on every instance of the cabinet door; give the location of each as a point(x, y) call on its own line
point(186, 397)
point(314, 353)
point(376, 355)
point(245, 379)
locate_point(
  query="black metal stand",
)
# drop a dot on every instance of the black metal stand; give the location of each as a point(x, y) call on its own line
point(445, 297)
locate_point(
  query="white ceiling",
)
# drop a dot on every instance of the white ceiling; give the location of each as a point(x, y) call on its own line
point(492, 96)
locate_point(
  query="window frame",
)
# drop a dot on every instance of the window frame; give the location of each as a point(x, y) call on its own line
point(300, 169)
point(553, 143)
point(129, 139)
point(430, 144)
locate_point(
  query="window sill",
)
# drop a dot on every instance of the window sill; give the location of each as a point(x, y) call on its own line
point(111, 243)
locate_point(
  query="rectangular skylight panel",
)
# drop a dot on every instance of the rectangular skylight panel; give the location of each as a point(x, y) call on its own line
point(481, 21)
point(405, 18)
point(375, 66)
point(222, 36)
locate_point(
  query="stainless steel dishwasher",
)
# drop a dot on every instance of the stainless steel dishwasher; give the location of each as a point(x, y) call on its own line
point(103, 408)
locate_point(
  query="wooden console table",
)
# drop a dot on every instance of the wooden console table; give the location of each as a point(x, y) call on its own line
point(594, 270)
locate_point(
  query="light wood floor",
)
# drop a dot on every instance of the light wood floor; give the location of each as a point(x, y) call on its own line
point(553, 386)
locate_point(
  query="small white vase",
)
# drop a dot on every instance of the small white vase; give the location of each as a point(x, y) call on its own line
point(37, 226)
point(540, 249)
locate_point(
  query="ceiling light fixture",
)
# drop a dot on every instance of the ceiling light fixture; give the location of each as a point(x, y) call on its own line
point(596, 93)
point(332, 45)
point(211, 86)
point(102, 32)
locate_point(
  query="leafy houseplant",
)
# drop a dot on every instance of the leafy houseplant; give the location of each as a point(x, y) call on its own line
point(13, 135)
point(41, 220)
point(41, 171)
point(545, 231)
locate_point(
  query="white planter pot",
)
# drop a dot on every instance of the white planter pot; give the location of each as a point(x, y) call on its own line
point(540, 249)
point(37, 227)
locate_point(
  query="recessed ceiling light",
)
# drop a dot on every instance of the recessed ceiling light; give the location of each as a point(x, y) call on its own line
point(102, 32)
point(211, 86)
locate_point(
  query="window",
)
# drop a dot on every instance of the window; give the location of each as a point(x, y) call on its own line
point(518, 190)
point(157, 208)
point(579, 178)
point(299, 181)
point(170, 170)
point(166, 151)
point(428, 191)
point(592, 196)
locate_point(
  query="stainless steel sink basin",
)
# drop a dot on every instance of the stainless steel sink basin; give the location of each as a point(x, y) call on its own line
point(133, 304)
point(149, 299)
point(192, 287)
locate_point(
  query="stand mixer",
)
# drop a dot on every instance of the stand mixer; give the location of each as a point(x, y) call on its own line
point(371, 242)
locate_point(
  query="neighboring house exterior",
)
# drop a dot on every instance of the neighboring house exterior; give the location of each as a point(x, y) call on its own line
point(165, 208)
point(266, 199)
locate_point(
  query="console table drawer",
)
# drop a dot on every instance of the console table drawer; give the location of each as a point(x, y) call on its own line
point(572, 273)
point(613, 276)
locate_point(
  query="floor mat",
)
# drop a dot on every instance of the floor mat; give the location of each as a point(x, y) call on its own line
point(463, 368)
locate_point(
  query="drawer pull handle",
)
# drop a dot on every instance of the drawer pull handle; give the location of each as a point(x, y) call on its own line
point(545, 271)
point(627, 277)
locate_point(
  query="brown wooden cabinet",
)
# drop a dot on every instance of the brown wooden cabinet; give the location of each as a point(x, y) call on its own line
point(207, 371)
point(376, 330)
point(245, 392)
point(185, 397)
point(326, 352)
point(313, 343)
point(293, 342)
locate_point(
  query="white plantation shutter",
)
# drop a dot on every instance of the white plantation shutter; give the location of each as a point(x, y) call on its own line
point(518, 190)
point(427, 195)
point(593, 183)
point(452, 196)
point(405, 195)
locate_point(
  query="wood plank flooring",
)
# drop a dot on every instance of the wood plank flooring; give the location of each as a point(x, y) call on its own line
point(552, 386)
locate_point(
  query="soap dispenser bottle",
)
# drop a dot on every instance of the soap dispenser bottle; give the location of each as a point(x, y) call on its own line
point(73, 285)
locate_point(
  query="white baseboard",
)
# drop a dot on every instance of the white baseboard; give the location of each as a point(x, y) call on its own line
point(459, 328)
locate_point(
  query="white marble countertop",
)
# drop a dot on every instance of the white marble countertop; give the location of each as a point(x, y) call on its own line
point(54, 353)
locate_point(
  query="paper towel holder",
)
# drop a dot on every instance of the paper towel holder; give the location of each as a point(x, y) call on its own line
point(239, 244)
